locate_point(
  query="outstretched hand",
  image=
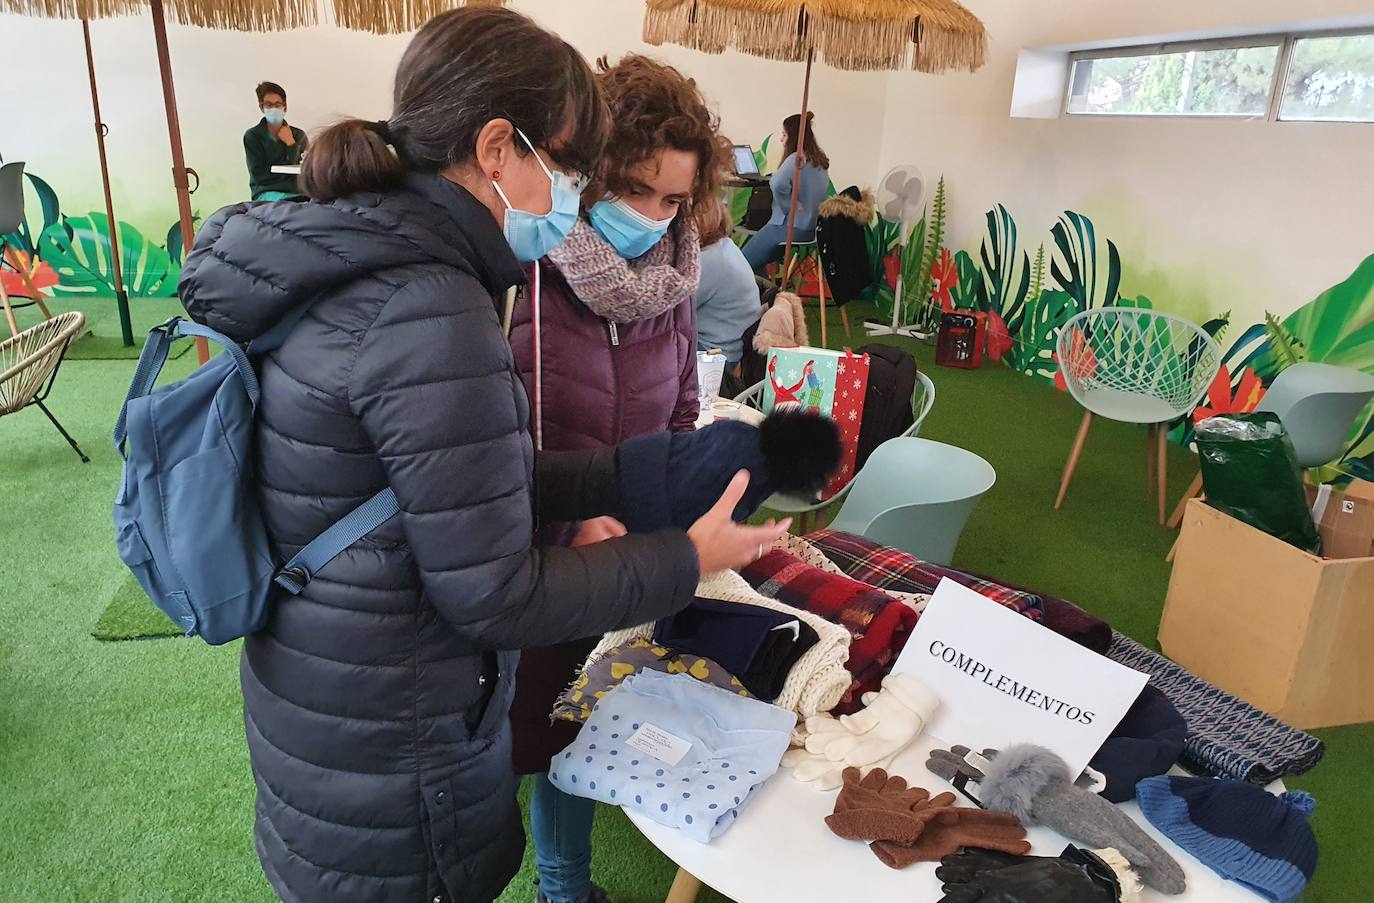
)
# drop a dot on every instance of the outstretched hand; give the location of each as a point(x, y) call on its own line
point(723, 544)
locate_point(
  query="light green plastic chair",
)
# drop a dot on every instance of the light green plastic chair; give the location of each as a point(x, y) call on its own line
point(1134, 365)
point(922, 400)
point(916, 495)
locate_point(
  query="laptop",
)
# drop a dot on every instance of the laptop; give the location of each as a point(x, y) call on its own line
point(745, 167)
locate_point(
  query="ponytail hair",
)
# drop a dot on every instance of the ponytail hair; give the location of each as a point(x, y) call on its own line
point(464, 68)
point(350, 157)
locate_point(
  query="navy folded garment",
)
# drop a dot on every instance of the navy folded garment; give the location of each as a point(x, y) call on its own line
point(757, 645)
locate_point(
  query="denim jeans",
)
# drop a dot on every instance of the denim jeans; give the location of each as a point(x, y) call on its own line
point(561, 828)
point(765, 246)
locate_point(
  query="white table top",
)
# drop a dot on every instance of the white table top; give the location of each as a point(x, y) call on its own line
point(780, 849)
point(287, 170)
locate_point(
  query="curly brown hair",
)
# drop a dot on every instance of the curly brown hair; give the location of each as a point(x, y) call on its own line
point(654, 106)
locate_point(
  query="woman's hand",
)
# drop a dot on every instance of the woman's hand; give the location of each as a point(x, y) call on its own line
point(721, 543)
point(598, 529)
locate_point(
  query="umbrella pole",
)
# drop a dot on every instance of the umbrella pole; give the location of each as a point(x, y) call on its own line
point(180, 172)
point(126, 329)
point(796, 169)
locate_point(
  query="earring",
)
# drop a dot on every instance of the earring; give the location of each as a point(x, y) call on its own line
point(496, 175)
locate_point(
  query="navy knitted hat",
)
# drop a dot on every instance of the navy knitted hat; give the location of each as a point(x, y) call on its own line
point(1242, 832)
point(1147, 742)
point(671, 479)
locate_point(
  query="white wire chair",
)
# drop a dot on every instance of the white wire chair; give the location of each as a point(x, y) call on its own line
point(922, 400)
point(29, 363)
point(1136, 366)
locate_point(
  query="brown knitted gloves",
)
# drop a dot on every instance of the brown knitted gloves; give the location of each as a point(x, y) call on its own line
point(905, 824)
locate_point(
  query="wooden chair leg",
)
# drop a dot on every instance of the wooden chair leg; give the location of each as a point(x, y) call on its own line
point(1151, 458)
point(9, 311)
point(820, 282)
point(1073, 457)
point(24, 276)
point(844, 315)
point(685, 889)
point(1193, 491)
point(1162, 460)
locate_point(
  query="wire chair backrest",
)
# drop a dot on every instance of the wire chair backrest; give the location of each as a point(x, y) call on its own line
point(1138, 352)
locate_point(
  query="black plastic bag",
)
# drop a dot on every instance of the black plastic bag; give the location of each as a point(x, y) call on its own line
point(1250, 471)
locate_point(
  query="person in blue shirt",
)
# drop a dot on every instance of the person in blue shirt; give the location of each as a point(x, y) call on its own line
point(767, 244)
point(727, 300)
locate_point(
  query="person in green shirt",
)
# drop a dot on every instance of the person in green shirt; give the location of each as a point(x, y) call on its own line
point(273, 142)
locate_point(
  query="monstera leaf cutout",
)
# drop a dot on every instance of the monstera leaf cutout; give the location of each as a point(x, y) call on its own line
point(969, 292)
point(1006, 272)
point(1087, 272)
point(1035, 341)
point(79, 249)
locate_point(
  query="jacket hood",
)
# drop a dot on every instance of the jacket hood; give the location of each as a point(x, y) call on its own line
point(859, 210)
point(253, 263)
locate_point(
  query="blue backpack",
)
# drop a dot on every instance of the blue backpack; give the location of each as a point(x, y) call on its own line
point(187, 522)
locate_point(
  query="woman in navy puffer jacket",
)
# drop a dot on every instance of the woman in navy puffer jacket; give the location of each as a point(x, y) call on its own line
point(375, 703)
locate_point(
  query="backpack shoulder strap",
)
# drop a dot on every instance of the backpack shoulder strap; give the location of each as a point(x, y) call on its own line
point(324, 548)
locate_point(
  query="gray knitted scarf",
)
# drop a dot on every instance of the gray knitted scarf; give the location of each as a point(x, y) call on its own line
point(624, 291)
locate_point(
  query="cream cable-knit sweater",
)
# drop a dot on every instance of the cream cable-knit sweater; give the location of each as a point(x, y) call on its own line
point(816, 682)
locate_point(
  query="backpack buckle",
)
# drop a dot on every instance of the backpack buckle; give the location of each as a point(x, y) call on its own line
point(293, 579)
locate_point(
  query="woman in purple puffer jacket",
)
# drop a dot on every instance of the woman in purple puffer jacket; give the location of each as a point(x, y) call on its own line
point(614, 357)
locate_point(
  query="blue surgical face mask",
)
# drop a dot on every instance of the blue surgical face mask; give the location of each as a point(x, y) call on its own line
point(532, 235)
point(630, 232)
point(274, 115)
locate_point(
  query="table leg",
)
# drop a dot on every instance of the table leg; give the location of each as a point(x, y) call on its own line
point(685, 888)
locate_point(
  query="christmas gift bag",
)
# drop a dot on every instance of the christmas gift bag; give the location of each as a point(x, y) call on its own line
point(825, 382)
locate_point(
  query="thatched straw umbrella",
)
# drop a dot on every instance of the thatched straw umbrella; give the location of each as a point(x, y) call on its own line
point(883, 35)
point(378, 16)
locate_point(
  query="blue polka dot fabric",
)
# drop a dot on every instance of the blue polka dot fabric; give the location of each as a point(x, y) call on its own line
point(736, 745)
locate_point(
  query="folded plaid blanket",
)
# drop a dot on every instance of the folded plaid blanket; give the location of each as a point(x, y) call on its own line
point(878, 623)
point(889, 568)
point(1227, 737)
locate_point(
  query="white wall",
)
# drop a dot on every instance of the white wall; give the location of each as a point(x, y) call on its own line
point(45, 108)
point(1209, 215)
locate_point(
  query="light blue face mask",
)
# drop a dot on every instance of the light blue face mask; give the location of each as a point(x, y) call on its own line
point(274, 115)
point(532, 235)
point(630, 232)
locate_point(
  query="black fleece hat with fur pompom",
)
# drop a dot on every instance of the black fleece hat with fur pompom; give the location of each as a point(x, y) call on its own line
point(671, 479)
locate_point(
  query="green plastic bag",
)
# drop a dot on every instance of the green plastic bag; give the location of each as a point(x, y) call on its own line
point(1250, 471)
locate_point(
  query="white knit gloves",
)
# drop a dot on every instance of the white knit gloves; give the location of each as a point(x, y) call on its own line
point(870, 738)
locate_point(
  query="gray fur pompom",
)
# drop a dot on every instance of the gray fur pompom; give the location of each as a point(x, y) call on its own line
point(1015, 777)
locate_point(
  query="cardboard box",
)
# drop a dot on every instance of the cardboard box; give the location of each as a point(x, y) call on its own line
point(1290, 633)
point(1345, 519)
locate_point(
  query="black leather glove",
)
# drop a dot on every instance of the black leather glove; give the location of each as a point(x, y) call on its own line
point(986, 876)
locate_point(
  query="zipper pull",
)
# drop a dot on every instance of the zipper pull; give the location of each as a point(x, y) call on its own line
point(615, 334)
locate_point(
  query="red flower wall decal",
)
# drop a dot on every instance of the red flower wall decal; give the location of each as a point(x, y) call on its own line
point(40, 273)
point(945, 276)
point(1220, 399)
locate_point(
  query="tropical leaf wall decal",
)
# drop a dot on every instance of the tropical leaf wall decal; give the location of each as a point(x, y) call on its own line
point(1088, 271)
point(1006, 269)
point(78, 248)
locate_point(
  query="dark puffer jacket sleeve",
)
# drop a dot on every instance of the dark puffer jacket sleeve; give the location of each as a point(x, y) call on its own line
point(448, 428)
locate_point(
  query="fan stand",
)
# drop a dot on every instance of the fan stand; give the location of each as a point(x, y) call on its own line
point(896, 327)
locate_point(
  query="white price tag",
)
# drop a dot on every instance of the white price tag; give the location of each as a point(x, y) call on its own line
point(655, 741)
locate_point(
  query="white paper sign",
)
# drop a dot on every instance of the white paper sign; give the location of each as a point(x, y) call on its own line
point(653, 740)
point(1003, 679)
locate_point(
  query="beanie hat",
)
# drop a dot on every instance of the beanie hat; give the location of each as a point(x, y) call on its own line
point(1240, 831)
point(1147, 742)
point(671, 479)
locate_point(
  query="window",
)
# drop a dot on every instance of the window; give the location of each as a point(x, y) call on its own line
point(1326, 77)
point(1330, 78)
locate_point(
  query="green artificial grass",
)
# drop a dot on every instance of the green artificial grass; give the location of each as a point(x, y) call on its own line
point(131, 615)
point(124, 776)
